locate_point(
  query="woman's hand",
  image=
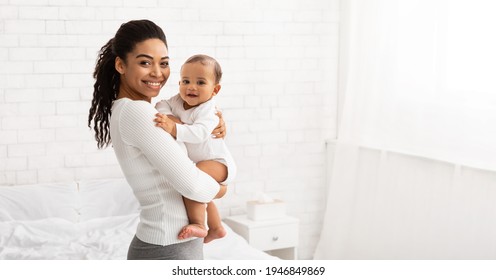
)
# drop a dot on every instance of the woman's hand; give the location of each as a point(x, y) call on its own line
point(220, 131)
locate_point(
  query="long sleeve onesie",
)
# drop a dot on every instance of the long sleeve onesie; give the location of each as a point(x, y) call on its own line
point(195, 132)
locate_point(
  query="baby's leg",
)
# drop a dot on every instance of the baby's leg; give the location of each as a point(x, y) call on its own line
point(218, 171)
point(215, 228)
point(215, 169)
point(196, 217)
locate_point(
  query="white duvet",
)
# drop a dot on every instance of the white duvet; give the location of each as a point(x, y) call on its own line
point(84, 220)
point(102, 239)
point(56, 238)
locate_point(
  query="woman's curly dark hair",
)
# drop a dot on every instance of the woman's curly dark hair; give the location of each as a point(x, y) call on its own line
point(107, 79)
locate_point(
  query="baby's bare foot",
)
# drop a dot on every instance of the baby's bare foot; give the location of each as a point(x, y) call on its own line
point(214, 233)
point(192, 230)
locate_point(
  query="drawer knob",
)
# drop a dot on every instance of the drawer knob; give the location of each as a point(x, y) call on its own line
point(275, 238)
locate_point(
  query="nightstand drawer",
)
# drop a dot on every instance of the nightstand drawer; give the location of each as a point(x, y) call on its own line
point(278, 237)
point(274, 237)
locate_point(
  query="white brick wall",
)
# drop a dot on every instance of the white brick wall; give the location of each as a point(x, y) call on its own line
point(279, 90)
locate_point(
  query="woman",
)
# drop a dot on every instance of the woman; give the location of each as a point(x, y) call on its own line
point(131, 69)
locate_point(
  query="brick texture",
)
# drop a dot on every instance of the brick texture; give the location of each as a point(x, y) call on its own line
point(279, 61)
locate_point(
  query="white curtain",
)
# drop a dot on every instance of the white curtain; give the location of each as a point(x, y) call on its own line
point(414, 165)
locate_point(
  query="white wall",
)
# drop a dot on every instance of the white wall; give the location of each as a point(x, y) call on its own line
point(278, 96)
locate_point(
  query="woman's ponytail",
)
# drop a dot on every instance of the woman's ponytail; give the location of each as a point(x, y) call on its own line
point(105, 91)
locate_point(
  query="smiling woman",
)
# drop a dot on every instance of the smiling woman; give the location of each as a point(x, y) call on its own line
point(131, 69)
point(146, 69)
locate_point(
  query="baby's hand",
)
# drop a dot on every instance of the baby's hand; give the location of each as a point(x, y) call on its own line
point(165, 123)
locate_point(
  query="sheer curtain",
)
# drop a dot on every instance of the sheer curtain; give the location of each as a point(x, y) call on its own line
point(414, 165)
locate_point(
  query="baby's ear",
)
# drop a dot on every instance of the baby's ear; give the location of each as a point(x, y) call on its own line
point(216, 89)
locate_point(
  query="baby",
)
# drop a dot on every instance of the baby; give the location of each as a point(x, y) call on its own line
point(190, 118)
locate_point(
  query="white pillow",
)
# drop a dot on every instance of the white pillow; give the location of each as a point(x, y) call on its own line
point(106, 198)
point(40, 201)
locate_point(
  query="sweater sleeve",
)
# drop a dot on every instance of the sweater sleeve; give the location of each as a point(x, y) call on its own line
point(138, 129)
point(201, 129)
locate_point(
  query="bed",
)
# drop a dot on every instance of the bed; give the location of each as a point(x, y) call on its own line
point(94, 219)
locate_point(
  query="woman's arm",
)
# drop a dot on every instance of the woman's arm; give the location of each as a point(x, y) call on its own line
point(137, 128)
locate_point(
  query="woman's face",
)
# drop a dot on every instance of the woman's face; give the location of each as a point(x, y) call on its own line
point(145, 70)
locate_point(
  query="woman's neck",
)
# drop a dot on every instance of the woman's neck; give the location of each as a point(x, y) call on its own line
point(126, 92)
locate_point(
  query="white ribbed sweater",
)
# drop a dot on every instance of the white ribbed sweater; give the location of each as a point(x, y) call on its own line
point(158, 171)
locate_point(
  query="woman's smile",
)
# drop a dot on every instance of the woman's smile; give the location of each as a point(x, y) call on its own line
point(154, 85)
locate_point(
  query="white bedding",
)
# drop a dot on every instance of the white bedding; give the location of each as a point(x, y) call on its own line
point(84, 220)
point(102, 239)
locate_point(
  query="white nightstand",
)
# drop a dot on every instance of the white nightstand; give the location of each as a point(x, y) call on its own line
point(278, 237)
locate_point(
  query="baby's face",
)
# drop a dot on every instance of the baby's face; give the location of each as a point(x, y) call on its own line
point(197, 84)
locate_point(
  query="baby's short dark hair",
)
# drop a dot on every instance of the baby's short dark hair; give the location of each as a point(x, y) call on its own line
point(206, 60)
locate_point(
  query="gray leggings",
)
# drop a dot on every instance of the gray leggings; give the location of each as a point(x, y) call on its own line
point(190, 250)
